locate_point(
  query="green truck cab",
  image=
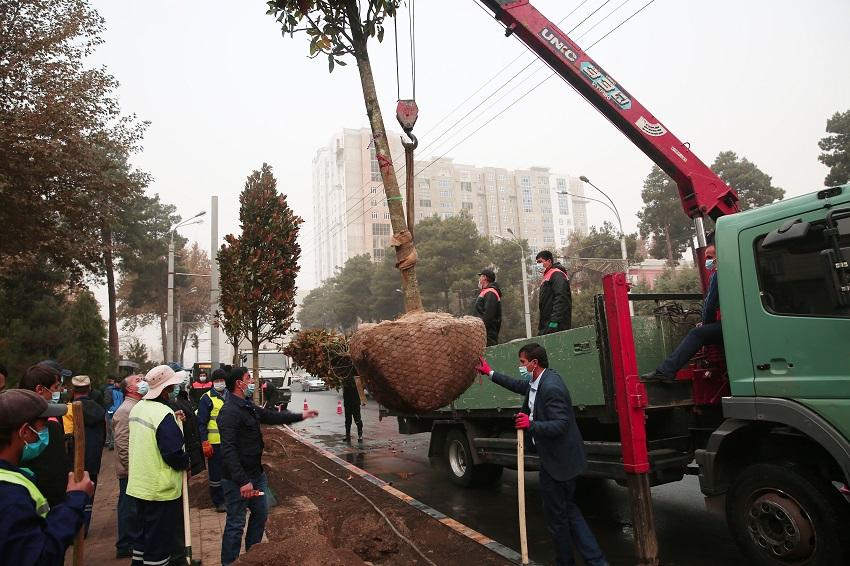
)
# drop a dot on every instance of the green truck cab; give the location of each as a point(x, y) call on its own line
point(772, 447)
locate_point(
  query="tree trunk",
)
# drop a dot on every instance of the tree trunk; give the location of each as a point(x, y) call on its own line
point(109, 267)
point(669, 246)
point(405, 253)
point(255, 368)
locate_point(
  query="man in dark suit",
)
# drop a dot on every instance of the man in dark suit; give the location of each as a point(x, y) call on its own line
point(549, 423)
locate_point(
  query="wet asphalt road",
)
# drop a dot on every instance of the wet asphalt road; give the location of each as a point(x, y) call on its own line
point(688, 534)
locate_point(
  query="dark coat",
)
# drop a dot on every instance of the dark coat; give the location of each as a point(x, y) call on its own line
point(94, 421)
point(190, 432)
point(556, 300)
point(51, 466)
point(350, 396)
point(488, 307)
point(711, 306)
point(241, 439)
point(554, 430)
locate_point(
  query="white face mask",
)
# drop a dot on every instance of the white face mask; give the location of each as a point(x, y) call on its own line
point(219, 386)
point(143, 387)
point(539, 267)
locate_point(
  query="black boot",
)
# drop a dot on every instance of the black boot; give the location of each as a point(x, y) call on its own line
point(347, 434)
point(360, 431)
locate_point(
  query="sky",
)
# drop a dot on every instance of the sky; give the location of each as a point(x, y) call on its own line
point(225, 92)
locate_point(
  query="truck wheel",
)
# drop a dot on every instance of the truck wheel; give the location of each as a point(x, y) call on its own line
point(459, 463)
point(782, 515)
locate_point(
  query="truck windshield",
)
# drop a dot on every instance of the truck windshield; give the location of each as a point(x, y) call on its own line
point(272, 360)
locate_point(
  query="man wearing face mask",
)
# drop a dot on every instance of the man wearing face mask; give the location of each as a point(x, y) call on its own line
point(244, 481)
point(209, 408)
point(51, 467)
point(556, 299)
point(548, 421)
point(709, 331)
point(156, 464)
point(488, 307)
point(31, 530)
point(133, 387)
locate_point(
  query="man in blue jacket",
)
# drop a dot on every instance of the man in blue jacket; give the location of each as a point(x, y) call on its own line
point(549, 423)
point(244, 480)
point(31, 532)
point(709, 331)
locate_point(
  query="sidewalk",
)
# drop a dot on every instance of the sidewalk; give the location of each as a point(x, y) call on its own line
point(100, 544)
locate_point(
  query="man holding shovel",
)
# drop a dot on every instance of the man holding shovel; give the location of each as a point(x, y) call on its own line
point(549, 423)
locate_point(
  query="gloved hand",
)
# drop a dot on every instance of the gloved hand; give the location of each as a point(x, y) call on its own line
point(553, 326)
point(207, 448)
point(521, 420)
point(483, 367)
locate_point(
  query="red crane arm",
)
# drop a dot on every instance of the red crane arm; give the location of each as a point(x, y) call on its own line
point(701, 191)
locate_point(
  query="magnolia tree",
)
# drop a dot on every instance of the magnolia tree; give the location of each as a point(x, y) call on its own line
point(258, 268)
point(339, 29)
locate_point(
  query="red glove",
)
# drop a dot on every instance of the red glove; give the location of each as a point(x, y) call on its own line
point(483, 367)
point(207, 448)
point(521, 421)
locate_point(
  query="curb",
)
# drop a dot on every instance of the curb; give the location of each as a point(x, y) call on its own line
point(460, 528)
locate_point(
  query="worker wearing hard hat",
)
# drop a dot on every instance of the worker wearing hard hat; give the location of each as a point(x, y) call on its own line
point(31, 532)
point(156, 465)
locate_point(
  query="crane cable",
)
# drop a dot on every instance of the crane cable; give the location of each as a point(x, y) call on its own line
point(411, 29)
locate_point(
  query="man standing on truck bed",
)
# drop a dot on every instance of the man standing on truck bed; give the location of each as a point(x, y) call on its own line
point(556, 300)
point(488, 307)
point(709, 331)
point(549, 422)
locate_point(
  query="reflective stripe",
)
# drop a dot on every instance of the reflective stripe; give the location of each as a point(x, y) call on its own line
point(142, 422)
point(213, 435)
point(486, 290)
point(157, 562)
point(215, 484)
point(41, 506)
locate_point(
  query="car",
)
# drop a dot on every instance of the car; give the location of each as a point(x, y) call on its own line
point(310, 383)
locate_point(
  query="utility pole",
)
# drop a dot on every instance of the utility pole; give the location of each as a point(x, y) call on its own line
point(214, 283)
point(169, 324)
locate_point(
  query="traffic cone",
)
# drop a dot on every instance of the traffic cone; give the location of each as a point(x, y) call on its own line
point(339, 406)
point(306, 408)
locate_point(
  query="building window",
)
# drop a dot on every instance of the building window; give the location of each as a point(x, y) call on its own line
point(525, 181)
point(376, 169)
point(466, 186)
point(424, 184)
point(561, 183)
point(381, 229)
point(466, 205)
point(542, 182)
point(374, 216)
point(500, 178)
point(425, 203)
point(378, 253)
point(563, 204)
point(386, 216)
point(527, 200)
point(446, 193)
point(444, 183)
point(373, 190)
point(446, 205)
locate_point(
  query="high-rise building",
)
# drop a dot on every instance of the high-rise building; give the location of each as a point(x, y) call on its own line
point(352, 217)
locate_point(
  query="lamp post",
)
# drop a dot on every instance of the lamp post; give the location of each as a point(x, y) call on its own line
point(169, 326)
point(616, 213)
point(524, 281)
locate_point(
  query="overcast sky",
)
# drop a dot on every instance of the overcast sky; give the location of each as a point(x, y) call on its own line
point(225, 92)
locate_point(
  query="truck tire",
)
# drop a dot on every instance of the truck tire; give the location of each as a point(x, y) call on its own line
point(780, 514)
point(458, 458)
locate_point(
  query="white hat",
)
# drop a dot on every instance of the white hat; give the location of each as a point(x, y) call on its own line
point(159, 378)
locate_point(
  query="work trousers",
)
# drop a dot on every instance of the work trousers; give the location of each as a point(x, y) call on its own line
point(159, 528)
point(234, 527)
point(353, 413)
point(129, 525)
point(214, 471)
point(711, 333)
point(566, 524)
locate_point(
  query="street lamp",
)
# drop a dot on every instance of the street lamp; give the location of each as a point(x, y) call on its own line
point(169, 327)
point(524, 281)
point(612, 208)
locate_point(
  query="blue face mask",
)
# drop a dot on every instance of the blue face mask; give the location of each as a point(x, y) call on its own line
point(523, 372)
point(34, 450)
point(55, 396)
point(251, 388)
point(143, 388)
point(174, 392)
point(710, 263)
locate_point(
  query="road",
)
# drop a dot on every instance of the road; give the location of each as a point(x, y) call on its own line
point(688, 534)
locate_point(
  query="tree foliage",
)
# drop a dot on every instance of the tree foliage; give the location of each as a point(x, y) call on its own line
point(258, 267)
point(64, 145)
point(323, 353)
point(136, 351)
point(84, 333)
point(753, 186)
point(836, 149)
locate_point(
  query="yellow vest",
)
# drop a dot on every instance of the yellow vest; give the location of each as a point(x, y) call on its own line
point(41, 506)
point(68, 420)
point(149, 477)
point(212, 426)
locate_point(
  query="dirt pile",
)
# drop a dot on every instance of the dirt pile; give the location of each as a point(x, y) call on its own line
point(420, 362)
point(199, 491)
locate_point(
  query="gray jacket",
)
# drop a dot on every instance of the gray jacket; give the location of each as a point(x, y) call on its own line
point(121, 432)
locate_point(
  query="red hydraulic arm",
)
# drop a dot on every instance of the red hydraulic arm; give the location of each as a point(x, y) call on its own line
point(701, 191)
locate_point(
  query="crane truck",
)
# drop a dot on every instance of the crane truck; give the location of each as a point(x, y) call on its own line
point(763, 420)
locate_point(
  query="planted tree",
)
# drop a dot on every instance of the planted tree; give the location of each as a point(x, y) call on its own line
point(258, 267)
point(836, 149)
point(339, 29)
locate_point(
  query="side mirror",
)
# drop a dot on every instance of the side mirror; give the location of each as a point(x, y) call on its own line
point(792, 230)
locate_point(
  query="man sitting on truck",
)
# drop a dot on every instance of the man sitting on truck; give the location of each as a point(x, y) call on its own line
point(709, 331)
point(549, 423)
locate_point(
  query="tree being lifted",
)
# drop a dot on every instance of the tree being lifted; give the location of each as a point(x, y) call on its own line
point(389, 355)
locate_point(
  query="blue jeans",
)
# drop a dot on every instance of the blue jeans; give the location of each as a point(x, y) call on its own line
point(566, 524)
point(711, 333)
point(129, 526)
point(231, 541)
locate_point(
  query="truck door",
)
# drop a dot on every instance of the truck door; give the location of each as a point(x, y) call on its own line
point(799, 337)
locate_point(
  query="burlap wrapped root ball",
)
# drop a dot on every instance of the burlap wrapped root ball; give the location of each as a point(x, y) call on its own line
point(420, 362)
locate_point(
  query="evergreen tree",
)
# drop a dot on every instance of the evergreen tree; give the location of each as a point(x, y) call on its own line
point(836, 149)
